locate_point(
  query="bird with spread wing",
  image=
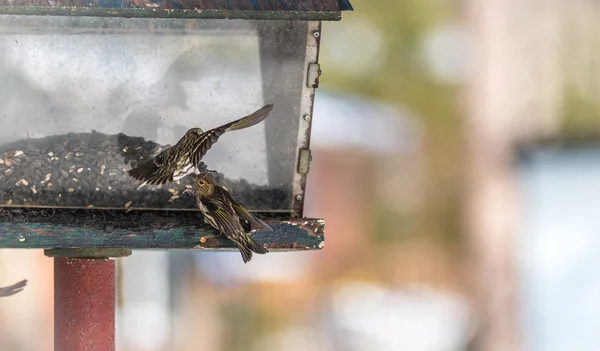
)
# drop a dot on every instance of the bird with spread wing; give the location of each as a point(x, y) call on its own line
point(185, 157)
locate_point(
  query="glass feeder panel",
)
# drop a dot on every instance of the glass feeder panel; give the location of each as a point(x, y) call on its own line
point(84, 99)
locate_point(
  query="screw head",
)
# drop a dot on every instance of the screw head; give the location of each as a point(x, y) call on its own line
point(316, 34)
point(298, 197)
point(307, 118)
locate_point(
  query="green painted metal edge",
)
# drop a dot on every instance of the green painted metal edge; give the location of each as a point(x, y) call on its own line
point(289, 235)
point(169, 13)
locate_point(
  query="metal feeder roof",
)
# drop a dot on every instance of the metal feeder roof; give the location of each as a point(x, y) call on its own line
point(314, 10)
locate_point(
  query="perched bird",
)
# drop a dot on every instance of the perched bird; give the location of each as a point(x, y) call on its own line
point(184, 157)
point(227, 216)
point(13, 289)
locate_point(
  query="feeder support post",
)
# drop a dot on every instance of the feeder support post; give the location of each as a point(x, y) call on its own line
point(85, 298)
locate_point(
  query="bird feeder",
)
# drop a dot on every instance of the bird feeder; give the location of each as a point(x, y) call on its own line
point(88, 89)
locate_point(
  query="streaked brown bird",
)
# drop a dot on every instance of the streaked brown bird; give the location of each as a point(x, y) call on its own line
point(184, 157)
point(13, 289)
point(227, 216)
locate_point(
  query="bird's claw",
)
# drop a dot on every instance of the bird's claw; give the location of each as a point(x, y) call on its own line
point(189, 191)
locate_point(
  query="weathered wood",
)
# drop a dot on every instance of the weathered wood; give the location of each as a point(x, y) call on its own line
point(92, 228)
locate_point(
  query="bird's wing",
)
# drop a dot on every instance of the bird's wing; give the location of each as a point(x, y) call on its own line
point(223, 218)
point(208, 138)
point(153, 171)
point(250, 120)
point(163, 176)
point(245, 214)
point(13, 289)
point(241, 211)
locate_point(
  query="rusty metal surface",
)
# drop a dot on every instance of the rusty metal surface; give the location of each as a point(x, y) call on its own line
point(88, 253)
point(314, 72)
point(92, 228)
point(253, 5)
point(247, 9)
point(13, 289)
point(84, 304)
point(307, 98)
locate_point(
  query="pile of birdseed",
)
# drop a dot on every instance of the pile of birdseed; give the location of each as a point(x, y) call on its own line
point(90, 170)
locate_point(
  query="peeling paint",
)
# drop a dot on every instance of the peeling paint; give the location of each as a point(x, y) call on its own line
point(97, 228)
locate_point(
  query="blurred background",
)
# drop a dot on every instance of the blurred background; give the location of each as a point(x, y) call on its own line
point(456, 163)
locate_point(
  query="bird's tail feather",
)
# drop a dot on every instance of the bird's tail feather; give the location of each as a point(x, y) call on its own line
point(246, 253)
point(259, 223)
point(247, 246)
point(250, 120)
point(245, 214)
point(256, 247)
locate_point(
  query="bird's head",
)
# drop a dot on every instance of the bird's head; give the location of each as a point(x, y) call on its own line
point(205, 184)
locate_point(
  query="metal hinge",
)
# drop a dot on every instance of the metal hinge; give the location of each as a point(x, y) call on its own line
point(304, 161)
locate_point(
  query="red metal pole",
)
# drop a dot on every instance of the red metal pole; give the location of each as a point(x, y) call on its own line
point(84, 298)
point(84, 304)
